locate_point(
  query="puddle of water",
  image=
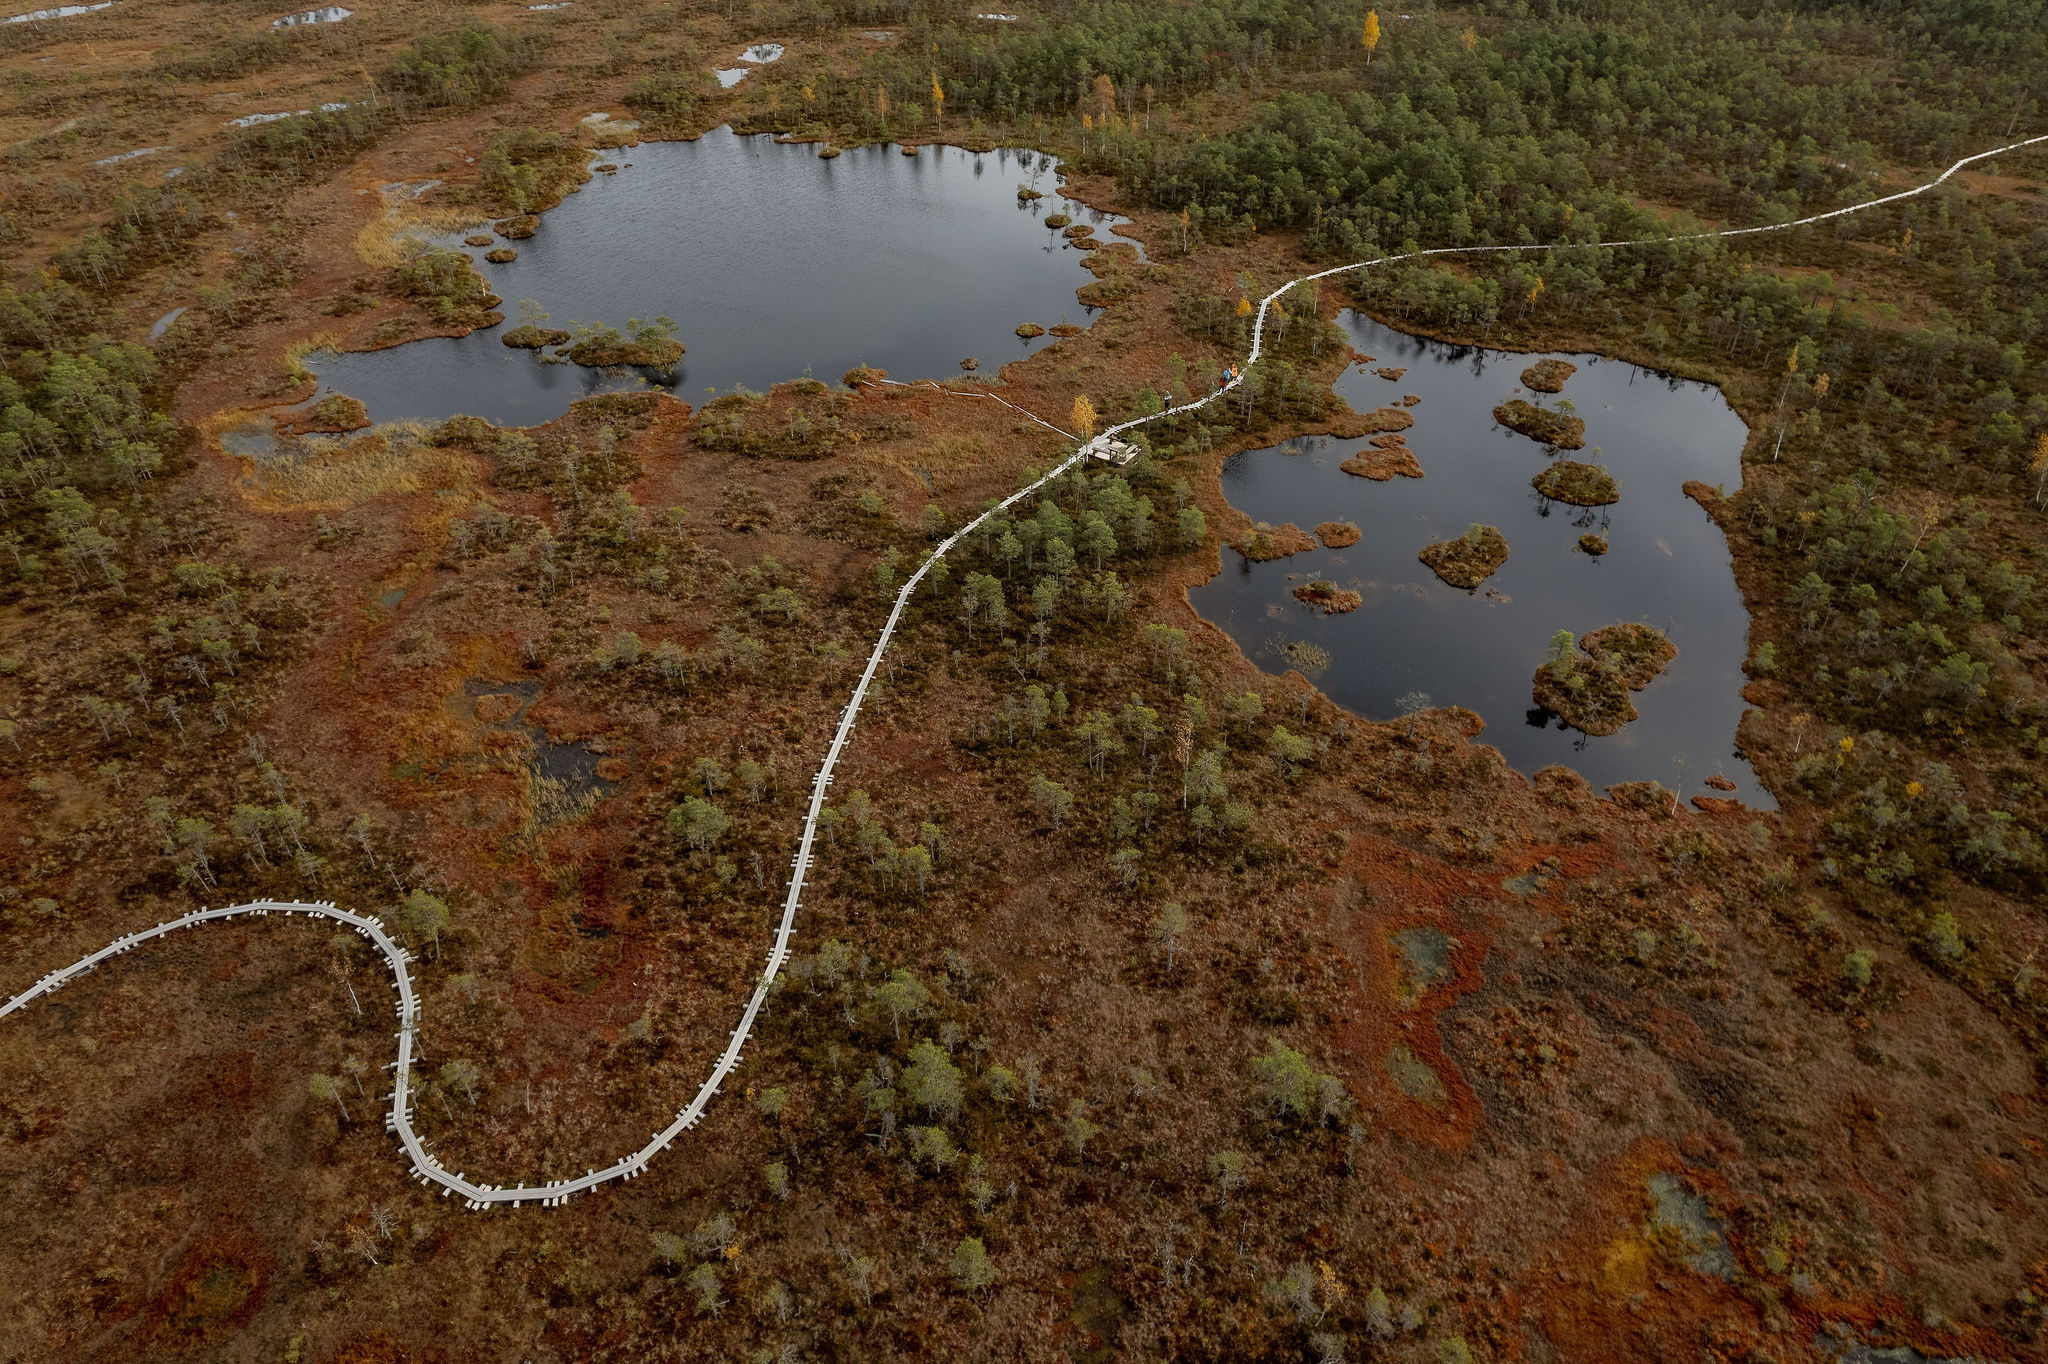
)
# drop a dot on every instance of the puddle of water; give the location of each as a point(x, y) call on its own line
point(163, 324)
point(1667, 563)
point(251, 120)
point(407, 189)
point(256, 440)
point(998, 18)
point(1425, 961)
point(118, 158)
point(879, 35)
point(760, 54)
point(61, 12)
point(326, 14)
point(1415, 1077)
point(390, 600)
point(773, 262)
point(729, 76)
point(571, 766)
point(1702, 1237)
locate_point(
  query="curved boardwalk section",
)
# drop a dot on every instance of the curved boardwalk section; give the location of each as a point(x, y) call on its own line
point(399, 1120)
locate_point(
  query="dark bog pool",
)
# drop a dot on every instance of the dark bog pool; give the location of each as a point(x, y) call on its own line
point(772, 262)
point(1667, 564)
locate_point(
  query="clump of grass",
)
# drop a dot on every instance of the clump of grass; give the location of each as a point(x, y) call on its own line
point(294, 357)
point(327, 474)
point(396, 236)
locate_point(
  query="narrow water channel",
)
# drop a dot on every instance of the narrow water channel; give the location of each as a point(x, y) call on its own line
point(1667, 564)
point(773, 263)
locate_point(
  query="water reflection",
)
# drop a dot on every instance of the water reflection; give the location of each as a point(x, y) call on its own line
point(773, 262)
point(1667, 564)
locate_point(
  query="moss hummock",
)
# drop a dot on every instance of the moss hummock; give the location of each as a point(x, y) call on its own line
point(1332, 599)
point(526, 336)
point(1030, 331)
point(1582, 485)
point(605, 350)
point(1591, 698)
point(1548, 376)
point(1057, 220)
point(517, 228)
point(1382, 463)
point(1540, 423)
point(1351, 425)
point(1264, 542)
point(1470, 559)
point(1590, 690)
point(331, 415)
point(1337, 534)
point(1592, 544)
point(1637, 652)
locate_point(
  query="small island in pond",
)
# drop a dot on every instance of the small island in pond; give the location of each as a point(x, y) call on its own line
point(1548, 376)
point(1470, 559)
point(1590, 689)
point(1334, 600)
point(1582, 485)
point(1337, 534)
point(527, 336)
point(1561, 429)
point(1382, 463)
point(651, 344)
point(1264, 543)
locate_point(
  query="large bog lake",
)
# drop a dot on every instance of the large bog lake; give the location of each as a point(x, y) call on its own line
point(1667, 564)
point(773, 262)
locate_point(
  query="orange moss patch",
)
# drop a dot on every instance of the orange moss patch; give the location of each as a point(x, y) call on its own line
point(1351, 425)
point(1334, 600)
point(1548, 376)
point(1383, 464)
point(1337, 534)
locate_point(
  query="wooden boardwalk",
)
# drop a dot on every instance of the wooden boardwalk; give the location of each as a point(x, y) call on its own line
point(477, 1195)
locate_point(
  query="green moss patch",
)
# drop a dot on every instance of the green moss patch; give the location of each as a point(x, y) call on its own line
point(1470, 559)
point(602, 350)
point(1582, 485)
point(1263, 542)
point(1637, 652)
point(1564, 431)
point(1590, 690)
point(333, 414)
point(530, 337)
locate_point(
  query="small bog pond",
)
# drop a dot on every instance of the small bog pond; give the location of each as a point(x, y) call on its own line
point(773, 262)
point(1667, 564)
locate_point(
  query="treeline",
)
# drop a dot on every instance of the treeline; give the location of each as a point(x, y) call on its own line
point(80, 412)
